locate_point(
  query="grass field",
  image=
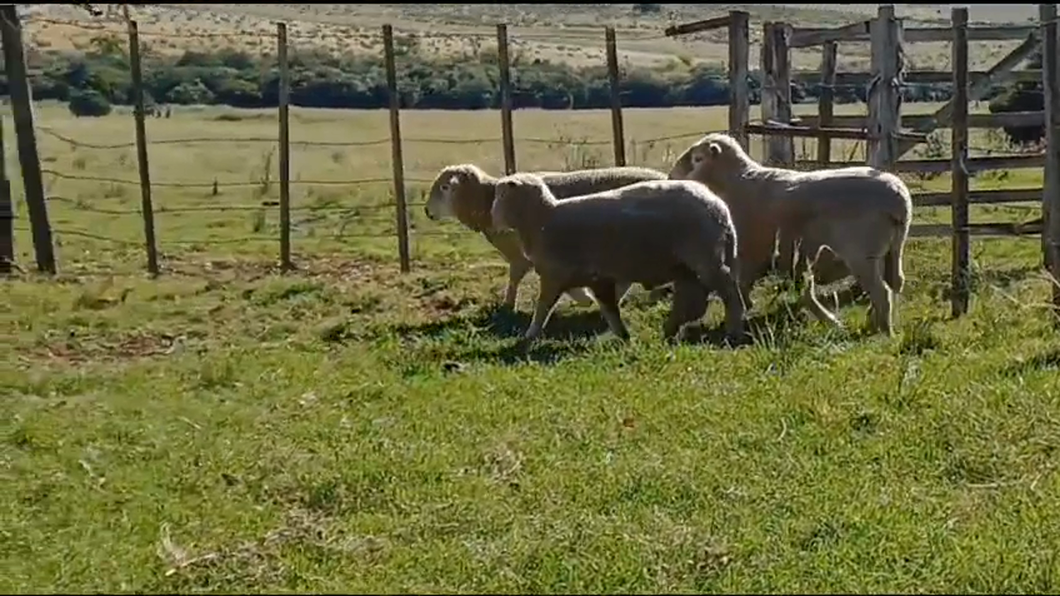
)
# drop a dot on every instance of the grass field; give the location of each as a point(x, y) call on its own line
point(349, 428)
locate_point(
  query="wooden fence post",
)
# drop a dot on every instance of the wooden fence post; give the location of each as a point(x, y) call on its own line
point(885, 96)
point(147, 210)
point(960, 260)
point(618, 134)
point(286, 263)
point(395, 145)
point(7, 213)
point(739, 67)
point(507, 134)
point(29, 160)
point(1051, 192)
point(776, 92)
point(776, 107)
point(826, 101)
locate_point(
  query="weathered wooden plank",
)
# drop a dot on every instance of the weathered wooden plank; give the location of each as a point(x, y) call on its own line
point(698, 26)
point(885, 98)
point(826, 101)
point(1051, 191)
point(776, 129)
point(739, 67)
point(806, 37)
point(918, 77)
point(917, 120)
point(938, 166)
point(776, 92)
point(960, 256)
point(984, 229)
point(980, 197)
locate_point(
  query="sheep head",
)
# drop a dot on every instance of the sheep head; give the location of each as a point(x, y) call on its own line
point(712, 160)
point(519, 198)
point(456, 192)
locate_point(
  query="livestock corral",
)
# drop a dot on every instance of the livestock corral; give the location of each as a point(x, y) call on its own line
point(237, 359)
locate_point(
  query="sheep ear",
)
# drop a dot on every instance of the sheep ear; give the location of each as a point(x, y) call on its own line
point(715, 149)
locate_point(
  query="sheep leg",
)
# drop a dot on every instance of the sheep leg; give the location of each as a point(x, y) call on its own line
point(657, 294)
point(735, 306)
point(809, 296)
point(788, 245)
point(689, 304)
point(726, 280)
point(608, 300)
point(547, 296)
point(869, 273)
point(517, 270)
point(580, 296)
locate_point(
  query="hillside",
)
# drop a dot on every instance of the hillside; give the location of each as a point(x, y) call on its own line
point(569, 33)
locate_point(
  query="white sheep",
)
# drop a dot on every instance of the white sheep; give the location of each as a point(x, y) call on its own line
point(465, 192)
point(653, 232)
point(860, 214)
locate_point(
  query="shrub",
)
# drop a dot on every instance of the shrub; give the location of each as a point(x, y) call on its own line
point(88, 102)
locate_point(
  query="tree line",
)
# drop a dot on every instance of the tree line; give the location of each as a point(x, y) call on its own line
point(93, 79)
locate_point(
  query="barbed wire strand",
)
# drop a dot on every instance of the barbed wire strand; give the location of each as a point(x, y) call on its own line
point(83, 205)
point(369, 143)
point(59, 232)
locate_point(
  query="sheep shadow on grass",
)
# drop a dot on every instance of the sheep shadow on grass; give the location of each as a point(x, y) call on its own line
point(784, 316)
point(499, 321)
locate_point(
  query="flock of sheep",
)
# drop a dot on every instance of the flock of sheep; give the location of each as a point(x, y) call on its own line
point(710, 225)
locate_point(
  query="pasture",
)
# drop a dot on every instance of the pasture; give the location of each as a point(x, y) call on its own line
point(348, 428)
point(571, 34)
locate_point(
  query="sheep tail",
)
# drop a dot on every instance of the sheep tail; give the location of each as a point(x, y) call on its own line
point(892, 261)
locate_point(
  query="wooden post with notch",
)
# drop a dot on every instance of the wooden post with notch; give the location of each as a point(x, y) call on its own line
point(959, 278)
point(885, 96)
point(1051, 191)
point(7, 213)
point(739, 68)
point(286, 264)
point(28, 158)
point(507, 135)
point(147, 209)
point(618, 134)
point(826, 101)
point(395, 148)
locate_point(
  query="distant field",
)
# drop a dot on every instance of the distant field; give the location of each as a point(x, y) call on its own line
point(567, 33)
point(333, 148)
point(347, 428)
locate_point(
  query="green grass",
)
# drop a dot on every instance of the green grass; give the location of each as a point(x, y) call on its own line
point(346, 428)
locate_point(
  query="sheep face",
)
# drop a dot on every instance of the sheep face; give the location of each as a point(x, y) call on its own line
point(514, 197)
point(442, 196)
point(709, 160)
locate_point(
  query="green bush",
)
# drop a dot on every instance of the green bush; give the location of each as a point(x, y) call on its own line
point(88, 102)
point(468, 82)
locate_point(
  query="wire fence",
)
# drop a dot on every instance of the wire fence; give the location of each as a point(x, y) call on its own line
point(370, 213)
point(86, 197)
